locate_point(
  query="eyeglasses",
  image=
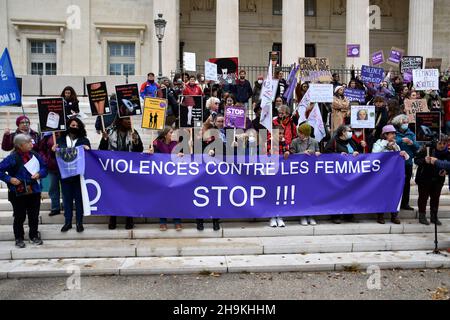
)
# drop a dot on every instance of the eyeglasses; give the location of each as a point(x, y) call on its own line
point(25, 122)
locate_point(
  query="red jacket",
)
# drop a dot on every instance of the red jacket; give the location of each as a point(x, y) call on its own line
point(359, 140)
point(447, 108)
point(290, 130)
point(192, 91)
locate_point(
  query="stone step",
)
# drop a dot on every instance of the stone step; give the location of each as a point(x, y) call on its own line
point(222, 264)
point(191, 247)
point(229, 230)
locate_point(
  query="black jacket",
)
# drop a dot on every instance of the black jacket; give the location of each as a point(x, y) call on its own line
point(337, 145)
point(62, 143)
point(427, 173)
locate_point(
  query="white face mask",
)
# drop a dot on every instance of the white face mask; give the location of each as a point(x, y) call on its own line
point(349, 135)
point(358, 133)
point(202, 79)
point(252, 140)
point(260, 81)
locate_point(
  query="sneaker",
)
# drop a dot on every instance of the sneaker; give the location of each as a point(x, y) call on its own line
point(273, 222)
point(37, 240)
point(20, 244)
point(303, 221)
point(280, 222)
point(312, 221)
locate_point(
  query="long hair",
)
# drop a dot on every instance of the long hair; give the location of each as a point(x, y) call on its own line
point(163, 133)
point(81, 127)
point(73, 95)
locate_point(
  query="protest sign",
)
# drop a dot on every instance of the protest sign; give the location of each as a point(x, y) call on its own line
point(363, 117)
point(433, 63)
point(395, 56)
point(154, 117)
point(98, 99)
point(211, 72)
point(426, 79)
point(353, 50)
point(9, 89)
point(355, 95)
point(52, 115)
point(128, 100)
point(191, 111)
point(410, 63)
point(372, 74)
point(235, 117)
point(71, 161)
point(321, 93)
point(227, 69)
point(412, 107)
point(190, 61)
point(259, 189)
point(428, 126)
point(315, 69)
point(378, 58)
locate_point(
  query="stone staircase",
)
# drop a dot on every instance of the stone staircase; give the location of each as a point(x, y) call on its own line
point(247, 245)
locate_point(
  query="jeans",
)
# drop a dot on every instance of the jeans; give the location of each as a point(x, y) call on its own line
point(54, 190)
point(23, 206)
point(407, 187)
point(71, 190)
point(164, 221)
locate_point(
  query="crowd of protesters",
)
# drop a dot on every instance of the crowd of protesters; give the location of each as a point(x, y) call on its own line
point(392, 133)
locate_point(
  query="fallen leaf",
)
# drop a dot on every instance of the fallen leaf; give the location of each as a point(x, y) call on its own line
point(440, 294)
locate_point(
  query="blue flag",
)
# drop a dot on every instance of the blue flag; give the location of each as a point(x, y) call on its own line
point(9, 90)
point(70, 162)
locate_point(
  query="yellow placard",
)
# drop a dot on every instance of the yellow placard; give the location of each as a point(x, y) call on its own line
point(154, 117)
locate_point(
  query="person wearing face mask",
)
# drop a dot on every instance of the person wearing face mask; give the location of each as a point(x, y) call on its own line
point(406, 139)
point(304, 144)
point(243, 89)
point(285, 120)
point(192, 88)
point(23, 127)
point(150, 87)
point(430, 179)
point(343, 144)
point(381, 119)
point(387, 143)
point(257, 91)
point(202, 82)
point(359, 139)
point(75, 136)
point(340, 109)
point(121, 138)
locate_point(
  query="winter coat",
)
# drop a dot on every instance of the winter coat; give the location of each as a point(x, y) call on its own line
point(192, 91)
point(382, 146)
point(149, 90)
point(340, 111)
point(45, 151)
point(299, 146)
point(8, 140)
point(112, 143)
point(411, 150)
point(337, 145)
point(243, 91)
point(428, 173)
point(290, 130)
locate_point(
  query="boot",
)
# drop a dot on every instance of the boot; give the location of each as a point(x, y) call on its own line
point(380, 218)
point(395, 219)
point(200, 226)
point(129, 225)
point(216, 224)
point(112, 223)
point(434, 219)
point(423, 218)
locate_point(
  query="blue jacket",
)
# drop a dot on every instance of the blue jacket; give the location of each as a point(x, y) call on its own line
point(9, 164)
point(443, 165)
point(149, 90)
point(412, 149)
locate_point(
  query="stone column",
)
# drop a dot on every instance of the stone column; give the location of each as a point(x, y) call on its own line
point(293, 31)
point(358, 31)
point(420, 33)
point(4, 26)
point(171, 42)
point(227, 28)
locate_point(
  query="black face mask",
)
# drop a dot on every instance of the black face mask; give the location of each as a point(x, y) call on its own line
point(74, 131)
point(151, 81)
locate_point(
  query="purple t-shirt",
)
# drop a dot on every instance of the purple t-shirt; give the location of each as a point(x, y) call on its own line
point(161, 147)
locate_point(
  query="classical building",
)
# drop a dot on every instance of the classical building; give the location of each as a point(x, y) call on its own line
point(117, 37)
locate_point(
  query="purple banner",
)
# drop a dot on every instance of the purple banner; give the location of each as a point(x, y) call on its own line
point(378, 58)
point(395, 56)
point(355, 95)
point(235, 117)
point(141, 185)
point(353, 50)
point(372, 74)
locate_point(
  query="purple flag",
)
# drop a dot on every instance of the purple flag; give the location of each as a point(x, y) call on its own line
point(71, 161)
point(292, 82)
point(141, 185)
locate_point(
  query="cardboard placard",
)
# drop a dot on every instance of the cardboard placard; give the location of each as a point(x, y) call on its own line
point(191, 111)
point(321, 93)
point(128, 100)
point(52, 115)
point(98, 98)
point(227, 69)
point(426, 79)
point(235, 117)
point(154, 116)
point(378, 58)
point(211, 71)
point(363, 117)
point(409, 63)
point(395, 56)
point(355, 95)
point(433, 63)
point(412, 107)
point(372, 74)
point(428, 126)
point(190, 61)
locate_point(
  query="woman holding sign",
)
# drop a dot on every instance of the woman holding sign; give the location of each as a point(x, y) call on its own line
point(75, 136)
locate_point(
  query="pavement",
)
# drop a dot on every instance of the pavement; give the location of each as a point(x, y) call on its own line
point(393, 285)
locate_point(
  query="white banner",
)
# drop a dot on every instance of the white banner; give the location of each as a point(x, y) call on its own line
point(211, 72)
point(190, 61)
point(426, 79)
point(321, 93)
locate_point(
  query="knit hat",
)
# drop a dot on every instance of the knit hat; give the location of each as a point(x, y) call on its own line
point(338, 88)
point(20, 119)
point(305, 129)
